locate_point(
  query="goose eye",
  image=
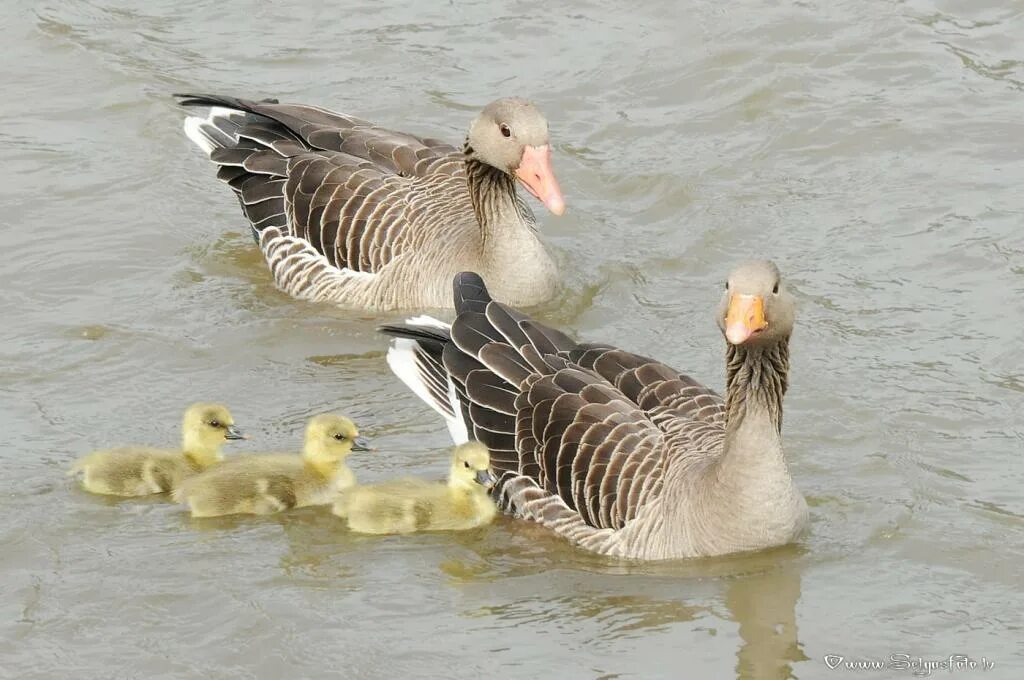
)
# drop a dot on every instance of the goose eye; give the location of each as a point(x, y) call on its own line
point(727, 285)
point(340, 437)
point(214, 423)
point(506, 131)
point(775, 290)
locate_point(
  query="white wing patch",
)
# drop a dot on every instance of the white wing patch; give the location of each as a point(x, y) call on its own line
point(428, 322)
point(406, 361)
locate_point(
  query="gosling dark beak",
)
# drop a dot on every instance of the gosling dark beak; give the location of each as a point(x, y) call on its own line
point(361, 444)
point(233, 432)
point(485, 478)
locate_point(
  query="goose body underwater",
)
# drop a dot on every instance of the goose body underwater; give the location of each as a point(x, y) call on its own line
point(143, 470)
point(264, 484)
point(364, 217)
point(619, 453)
point(408, 505)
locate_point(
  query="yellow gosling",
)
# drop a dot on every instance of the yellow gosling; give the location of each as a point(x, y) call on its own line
point(405, 506)
point(269, 483)
point(141, 470)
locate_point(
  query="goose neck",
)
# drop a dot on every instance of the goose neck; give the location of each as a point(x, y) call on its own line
point(493, 194)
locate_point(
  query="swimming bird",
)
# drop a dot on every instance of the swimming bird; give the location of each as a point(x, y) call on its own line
point(143, 470)
point(263, 484)
point(408, 505)
point(372, 219)
point(618, 453)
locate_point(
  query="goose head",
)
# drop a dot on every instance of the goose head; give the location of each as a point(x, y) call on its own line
point(471, 467)
point(511, 135)
point(756, 308)
point(330, 438)
point(205, 428)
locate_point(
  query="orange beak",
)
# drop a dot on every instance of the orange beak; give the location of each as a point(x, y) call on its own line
point(535, 173)
point(744, 318)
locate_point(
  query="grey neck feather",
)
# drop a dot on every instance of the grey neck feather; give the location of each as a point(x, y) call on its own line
point(747, 498)
point(493, 193)
point(756, 379)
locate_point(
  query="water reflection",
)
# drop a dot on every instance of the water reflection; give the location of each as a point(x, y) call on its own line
point(617, 617)
point(517, 574)
point(760, 593)
point(764, 606)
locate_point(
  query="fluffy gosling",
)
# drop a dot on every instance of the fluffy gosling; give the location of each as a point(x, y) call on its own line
point(269, 483)
point(141, 470)
point(405, 506)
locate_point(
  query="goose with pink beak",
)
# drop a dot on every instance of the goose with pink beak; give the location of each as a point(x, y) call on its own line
point(370, 218)
point(511, 135)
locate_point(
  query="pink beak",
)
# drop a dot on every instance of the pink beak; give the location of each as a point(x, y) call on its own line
point(535, 173)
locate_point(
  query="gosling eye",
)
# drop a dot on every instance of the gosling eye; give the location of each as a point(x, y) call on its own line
point(340, 437)
point(775, 290)
point(727, 285)
point(215, 423)
point(465, 464)
point(506, 131)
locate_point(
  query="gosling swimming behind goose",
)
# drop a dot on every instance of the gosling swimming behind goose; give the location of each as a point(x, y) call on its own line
point(619, 453)
point(405, 506)
point(368, 218)
point(264, 484)
point(141, 470)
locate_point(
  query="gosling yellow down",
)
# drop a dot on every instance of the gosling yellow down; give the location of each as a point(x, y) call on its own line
point(269, 483)
point(405, 506)
point(141, 470)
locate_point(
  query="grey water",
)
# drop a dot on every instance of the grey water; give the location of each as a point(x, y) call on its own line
point(874, 149)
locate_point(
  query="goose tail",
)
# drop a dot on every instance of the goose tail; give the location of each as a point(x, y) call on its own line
point(219, 128)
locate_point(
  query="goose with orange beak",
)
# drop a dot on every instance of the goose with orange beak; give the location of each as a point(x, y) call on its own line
point(753, 300)
point(617, 452)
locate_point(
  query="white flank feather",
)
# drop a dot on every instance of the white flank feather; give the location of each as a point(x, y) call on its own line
point(401, 358)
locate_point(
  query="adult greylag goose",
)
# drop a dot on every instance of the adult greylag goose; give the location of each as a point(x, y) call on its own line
point(619, 453)
point(367, 218)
